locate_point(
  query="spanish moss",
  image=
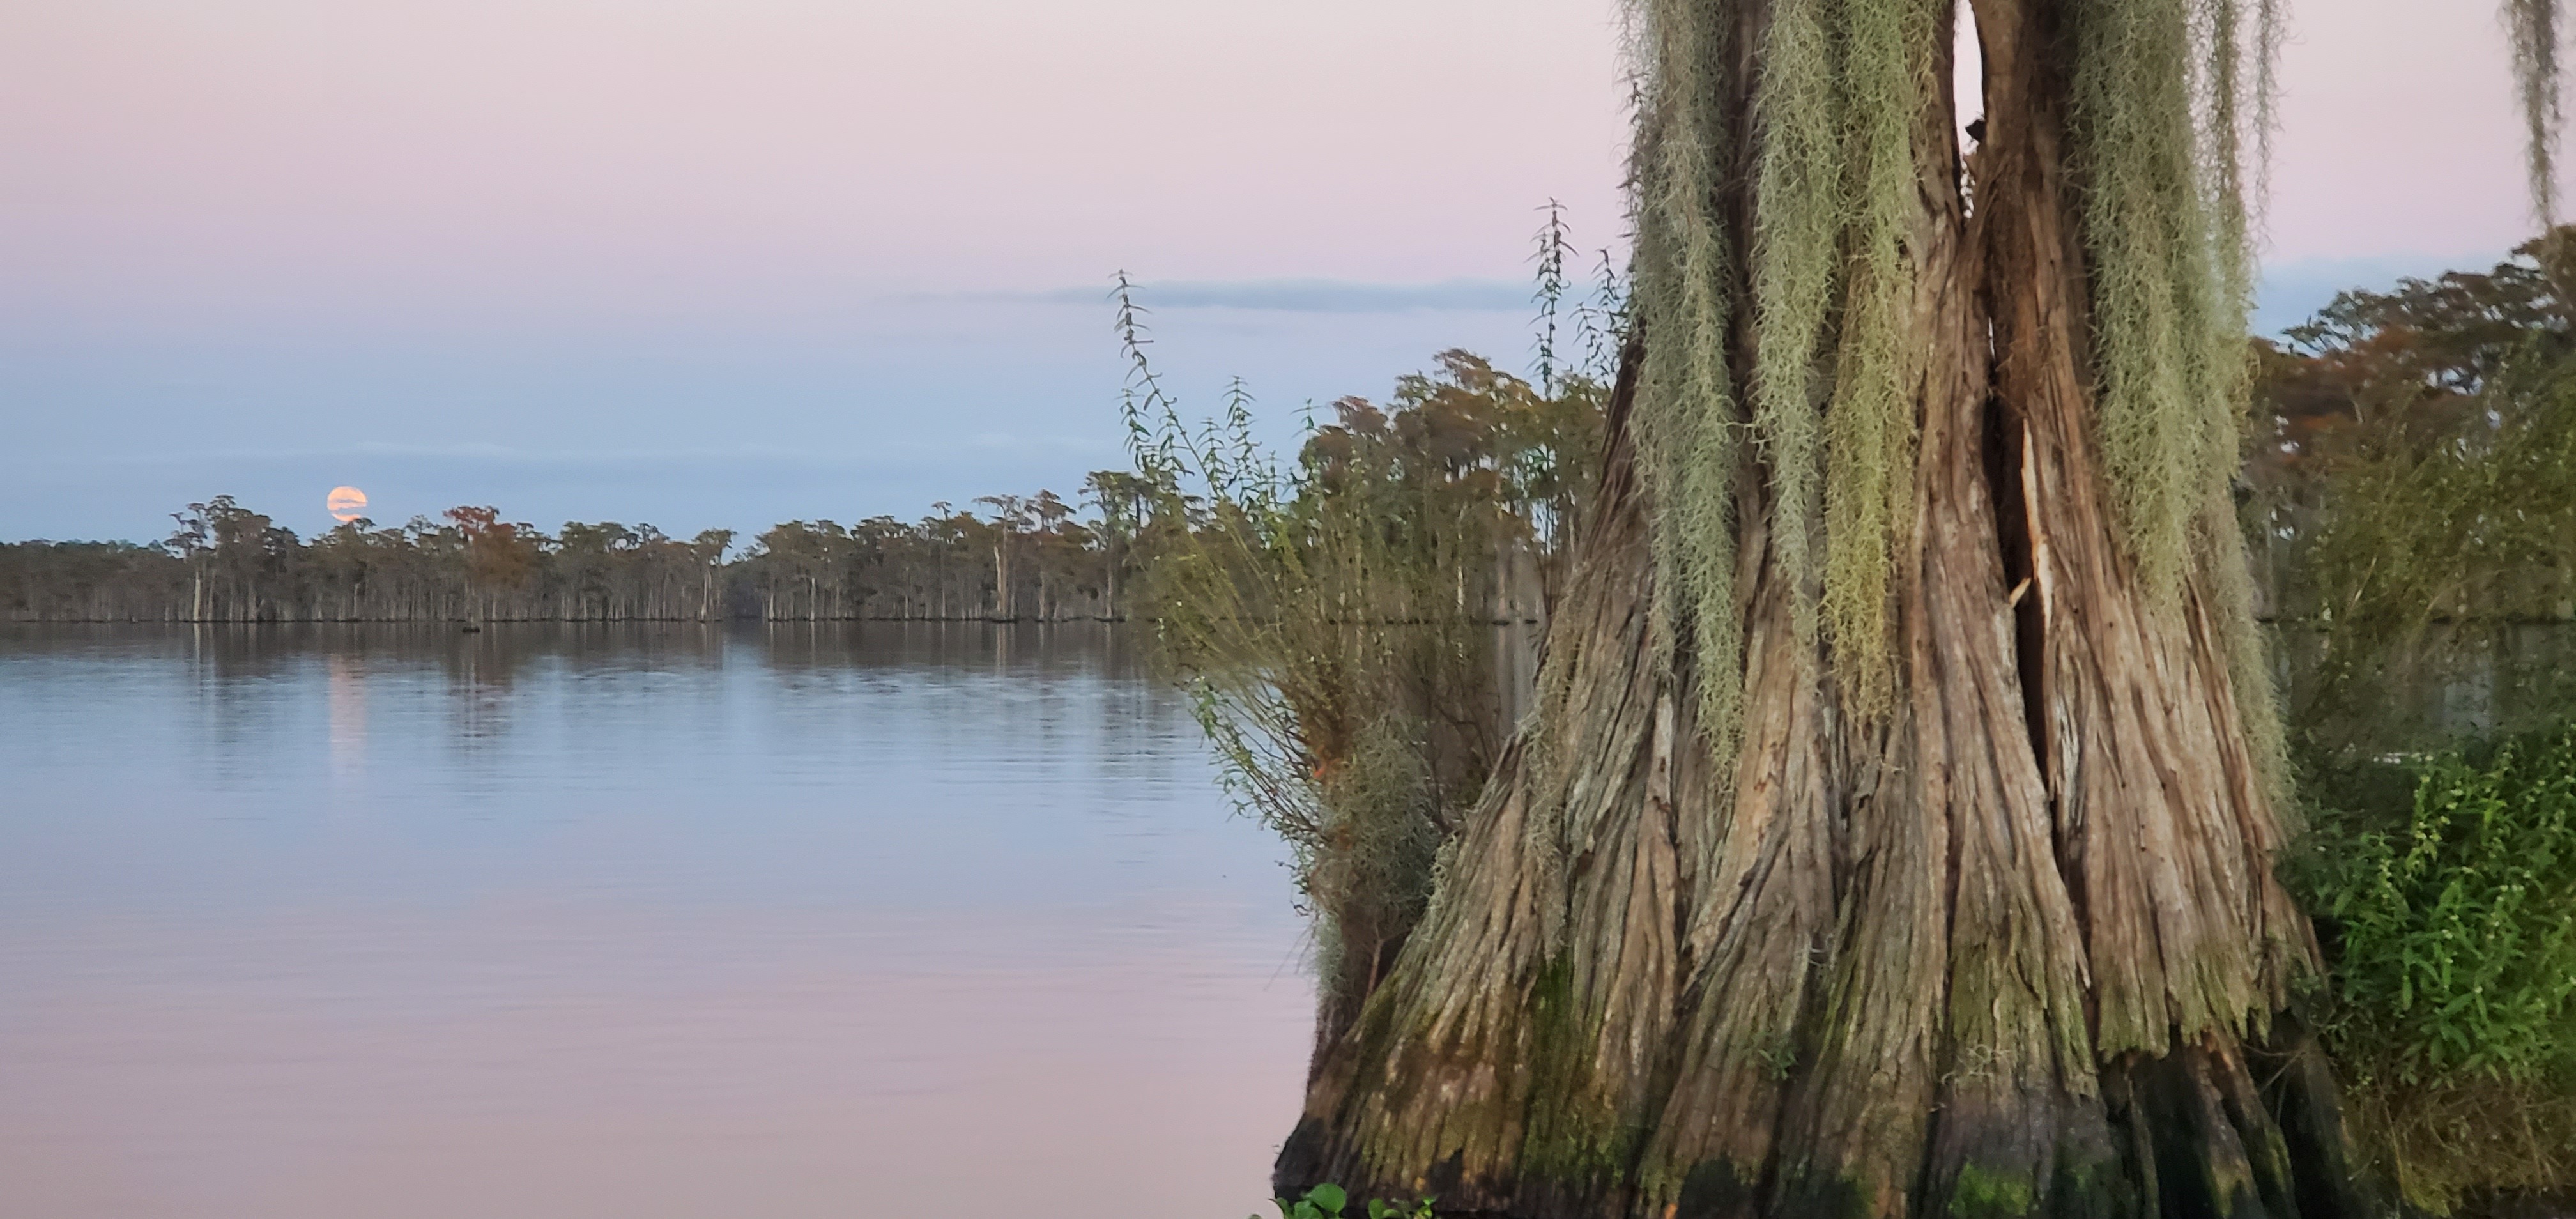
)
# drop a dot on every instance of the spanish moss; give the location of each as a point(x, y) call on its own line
point(1797, 230)
point(1826, 282)
point(2162, 111)
point(1888, 73)
point(2532, 26)
point(2172, 121)
point(1686, 404)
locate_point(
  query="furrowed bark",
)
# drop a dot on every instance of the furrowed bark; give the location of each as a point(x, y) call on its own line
point(1432, 1090)
point(2007, 948)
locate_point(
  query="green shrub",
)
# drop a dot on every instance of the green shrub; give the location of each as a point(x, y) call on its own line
point(1334, 614)
point(2451, 922)
point(1327, 1200)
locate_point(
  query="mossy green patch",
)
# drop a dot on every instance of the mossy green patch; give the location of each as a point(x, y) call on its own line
point(1986, 1193)
point(1575, 1136)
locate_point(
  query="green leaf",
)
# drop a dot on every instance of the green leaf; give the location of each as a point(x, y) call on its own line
point(1329, 1198)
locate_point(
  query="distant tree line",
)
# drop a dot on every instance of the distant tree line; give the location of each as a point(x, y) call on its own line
point(1457, 437)
point(1023, 558)
point(2409, 492)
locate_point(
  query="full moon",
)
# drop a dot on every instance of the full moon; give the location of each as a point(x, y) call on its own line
point(347, 503)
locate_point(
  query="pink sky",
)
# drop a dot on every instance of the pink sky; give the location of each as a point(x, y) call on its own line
point(710, 156)
point(301, 227)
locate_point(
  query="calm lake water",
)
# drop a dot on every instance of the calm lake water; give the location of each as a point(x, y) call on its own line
point(629, 922)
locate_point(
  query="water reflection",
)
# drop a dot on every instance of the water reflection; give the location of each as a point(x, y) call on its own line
point(2446, 682)
point(348, 691)
point(628, 921)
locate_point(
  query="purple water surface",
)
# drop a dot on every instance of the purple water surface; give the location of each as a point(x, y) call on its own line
point(629, 922)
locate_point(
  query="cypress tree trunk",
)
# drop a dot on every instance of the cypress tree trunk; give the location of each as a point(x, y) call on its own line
point(2006, 942)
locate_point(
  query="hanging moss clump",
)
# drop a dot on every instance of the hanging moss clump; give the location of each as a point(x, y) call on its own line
point(2532, 26)
point(1826, 285)
point(1685, 271)
point(2168, 93)
point(1869, 444)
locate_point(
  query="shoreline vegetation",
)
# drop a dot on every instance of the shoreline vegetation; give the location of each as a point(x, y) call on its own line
point(227, 563)
point(2406, 493)
point(1012, 558)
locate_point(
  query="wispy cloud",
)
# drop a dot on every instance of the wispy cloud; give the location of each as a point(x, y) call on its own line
point(880, 454)
point(1304, 296)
